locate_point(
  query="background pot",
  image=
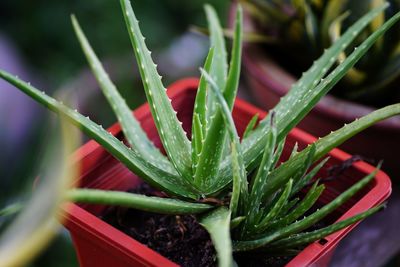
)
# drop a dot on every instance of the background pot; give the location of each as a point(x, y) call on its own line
point(268, 82)
point(99, 244)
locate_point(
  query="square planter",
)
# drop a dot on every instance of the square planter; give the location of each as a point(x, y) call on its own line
point(99, 244)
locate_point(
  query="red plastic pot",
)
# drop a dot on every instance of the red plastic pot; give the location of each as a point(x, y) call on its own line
point(268, 82)
point(99, 244)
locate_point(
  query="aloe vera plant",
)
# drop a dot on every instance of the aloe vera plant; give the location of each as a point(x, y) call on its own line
point(304, 28)
point(264, 211)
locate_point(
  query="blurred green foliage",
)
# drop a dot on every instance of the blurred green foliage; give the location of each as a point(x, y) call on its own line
point(43, 32)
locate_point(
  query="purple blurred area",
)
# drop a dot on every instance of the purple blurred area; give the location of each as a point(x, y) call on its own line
point(17, 111)
point(375, 241)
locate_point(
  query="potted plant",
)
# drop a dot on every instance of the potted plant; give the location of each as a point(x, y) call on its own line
point(296, 33)
point(249, 193)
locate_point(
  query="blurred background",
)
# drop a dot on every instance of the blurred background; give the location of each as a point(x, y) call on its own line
point(37, 43)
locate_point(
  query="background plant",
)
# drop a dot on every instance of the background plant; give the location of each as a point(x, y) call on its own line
point(300, 30)
point(27, 227)
point(214, 162)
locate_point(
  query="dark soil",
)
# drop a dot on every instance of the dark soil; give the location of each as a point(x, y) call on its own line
point(262, 261)
point(179, 238)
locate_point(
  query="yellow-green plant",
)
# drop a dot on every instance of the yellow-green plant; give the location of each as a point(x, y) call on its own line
point(302, 29)
point(36, 223)
point(263, 211)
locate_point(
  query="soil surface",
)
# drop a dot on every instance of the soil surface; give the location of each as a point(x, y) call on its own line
point(179, 238)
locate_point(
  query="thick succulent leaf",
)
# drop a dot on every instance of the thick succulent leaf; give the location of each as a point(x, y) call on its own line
point(305, 204)
point(132, 160)
point(136, 201)
point(239, 191)
point(199, 123)
point(308, 160)
point(232, 82)
point(217, 224)
point(239, 182)
point(219, 66)
point(210, 157)
point(303, 181)
point(250, 126)
point(295, 105)
point(324, 145)
point(307, 221)
point(236, 222)
point(170, 129)
point(130, 126)
point(201, 95)
point(273, 213)
point(288, 206)
point(278, 152)
point(197, 139)
point(295, 150)
point(309, 237)
point(259, 183)
point(214, 144)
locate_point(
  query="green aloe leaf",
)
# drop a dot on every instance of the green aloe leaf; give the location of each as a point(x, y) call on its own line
point(273, 213)
point(309, 237)
point(136, 201)
point(288, 206)
point(309, 200)
point(199, 124)
point(307, 221)
point(236, 222)
point(217, 223)
point(170, 129)
point(298, 98)
point(259, 183)
point(232, 82)
point(197, 139)
point(250, 126)
point(219, 67)
point(214, 144)
point(300, 178)
point(278, 152)
point(132, 160)
point(130, 126)
point(301, 183)
point(295, 150)
point(324, 145)
point(239, 190)
point(239, 177)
